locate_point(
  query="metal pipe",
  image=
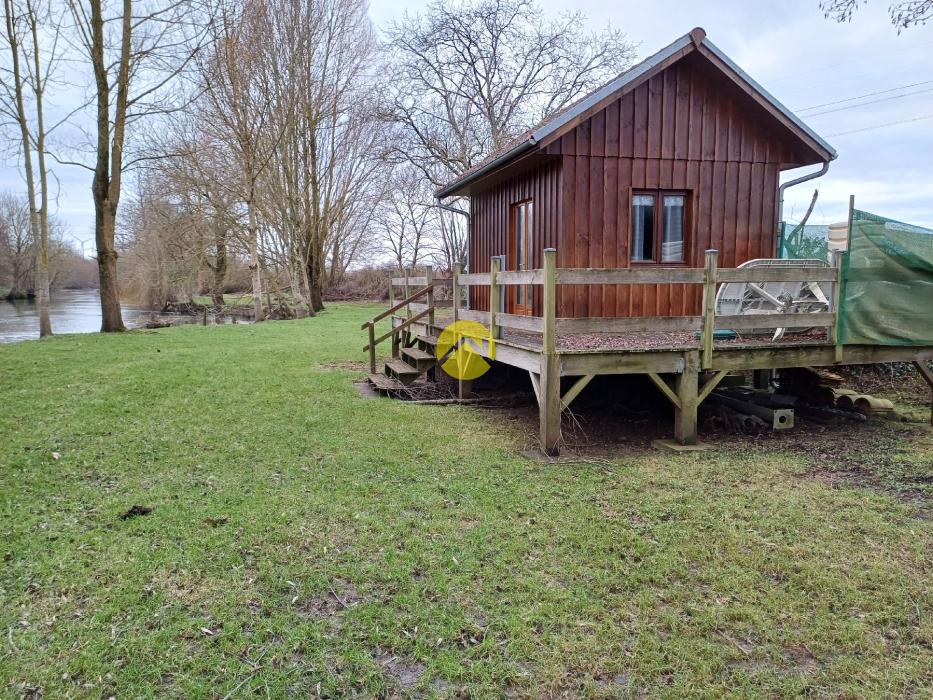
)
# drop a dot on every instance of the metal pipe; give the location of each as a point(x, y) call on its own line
point(790, 183)
point(455, 210)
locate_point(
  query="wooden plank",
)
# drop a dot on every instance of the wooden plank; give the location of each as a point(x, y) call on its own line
point(392, 309)
point(629, 325)
point(475, 279)
point(711, 384)
point(494, 292)
point(736, 323)
point(536, 385)
point(471, 315)
point(549, 332)
point(836, 333)
point(710, 273)
point(400, 327)
point(550, 405)
point(776, 274)
point(665, 388)
point(522, 277)
point(412, 281)
point(574, 391)
point(634, 275)
point(524, 323)
point(668, 361)
point(814, 356)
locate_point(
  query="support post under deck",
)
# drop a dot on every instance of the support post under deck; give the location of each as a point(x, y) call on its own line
point(549, 404)
point(686, 385)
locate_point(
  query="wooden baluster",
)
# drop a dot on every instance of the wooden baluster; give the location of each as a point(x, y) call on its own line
point(549, 406)
point(494, 295)
point(709, 308)
point(429, 282)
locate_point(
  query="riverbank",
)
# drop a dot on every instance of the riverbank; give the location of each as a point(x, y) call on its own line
point(78, 311)
point(294, 538)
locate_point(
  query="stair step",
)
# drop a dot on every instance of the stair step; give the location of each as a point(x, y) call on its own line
point(427, 342)
point(401, 370)
point(421, 360)
point(384, 384)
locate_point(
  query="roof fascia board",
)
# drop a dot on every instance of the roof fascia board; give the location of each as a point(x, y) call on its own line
point(628, 80)
point(457, 185)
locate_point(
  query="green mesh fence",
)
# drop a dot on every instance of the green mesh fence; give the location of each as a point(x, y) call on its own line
point(887, 291)
point(887, 279)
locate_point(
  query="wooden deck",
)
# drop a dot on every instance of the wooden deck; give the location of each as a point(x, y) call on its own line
point(679, 354)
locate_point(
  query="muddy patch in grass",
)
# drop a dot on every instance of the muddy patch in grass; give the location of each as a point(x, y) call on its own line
point(342, 596)
point(404, 672)
point(345, 366)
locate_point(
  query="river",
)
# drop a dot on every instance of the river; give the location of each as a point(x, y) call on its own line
point(73, 311)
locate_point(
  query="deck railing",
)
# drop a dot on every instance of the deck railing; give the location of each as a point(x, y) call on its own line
point(710, 276)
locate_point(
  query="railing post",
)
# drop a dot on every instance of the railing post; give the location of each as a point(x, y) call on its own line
point(709, 308)
point(494, 293)
point(455, 289)
point(837, 298)
point(407, 292)
point(429, 282)
point(372, 347)
point(837, 292)
point(549, 376)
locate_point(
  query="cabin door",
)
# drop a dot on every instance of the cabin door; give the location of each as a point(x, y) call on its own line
point(520, 256)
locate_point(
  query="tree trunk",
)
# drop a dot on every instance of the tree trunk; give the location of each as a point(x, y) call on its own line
point(219, 269)
point(104, 227)
point(256, 273)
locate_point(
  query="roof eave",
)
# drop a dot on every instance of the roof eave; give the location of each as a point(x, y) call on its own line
point(457, 185)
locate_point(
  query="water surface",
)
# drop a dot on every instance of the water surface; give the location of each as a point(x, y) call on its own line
point(73, 311)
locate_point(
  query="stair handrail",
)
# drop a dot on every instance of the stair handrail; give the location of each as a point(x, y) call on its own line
point(371, 324)
point(391, 310)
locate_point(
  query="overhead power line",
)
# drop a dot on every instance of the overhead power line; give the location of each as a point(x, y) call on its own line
point(881, 126)
point(870, 102)
point(868, 94)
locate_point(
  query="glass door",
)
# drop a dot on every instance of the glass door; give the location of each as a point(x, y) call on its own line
point(521, 255)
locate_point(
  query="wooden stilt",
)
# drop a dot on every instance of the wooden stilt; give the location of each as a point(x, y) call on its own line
point(686, 386)
point(549, 405)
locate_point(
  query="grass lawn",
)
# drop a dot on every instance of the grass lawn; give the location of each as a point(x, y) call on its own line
point(304, 540)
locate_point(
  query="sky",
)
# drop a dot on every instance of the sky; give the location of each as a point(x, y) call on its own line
point(803, 59)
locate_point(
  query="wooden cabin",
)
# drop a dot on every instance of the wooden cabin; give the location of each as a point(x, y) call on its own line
point(609, 216)
point(681, 153)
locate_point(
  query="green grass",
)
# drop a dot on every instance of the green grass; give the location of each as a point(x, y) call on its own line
point(229, 299)
point(460, 565)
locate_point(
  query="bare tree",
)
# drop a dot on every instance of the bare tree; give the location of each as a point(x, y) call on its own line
point(466, 78)
point(318, 53)
point(136, 49)
point(903, 14)
point(407, 220)
point(17, 246)
point(238, 107)
point(27, 23)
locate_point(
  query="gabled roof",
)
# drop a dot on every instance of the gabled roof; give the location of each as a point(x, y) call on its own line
point(564, 120)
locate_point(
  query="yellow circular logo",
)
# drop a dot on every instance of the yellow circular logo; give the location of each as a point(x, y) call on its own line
point(462, 349)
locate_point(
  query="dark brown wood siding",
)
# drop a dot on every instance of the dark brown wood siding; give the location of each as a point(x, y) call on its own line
point(686, 128)
point(490, 226)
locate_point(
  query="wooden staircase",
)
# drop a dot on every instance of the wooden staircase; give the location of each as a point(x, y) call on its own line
point(412, 355)
point(415, 360)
